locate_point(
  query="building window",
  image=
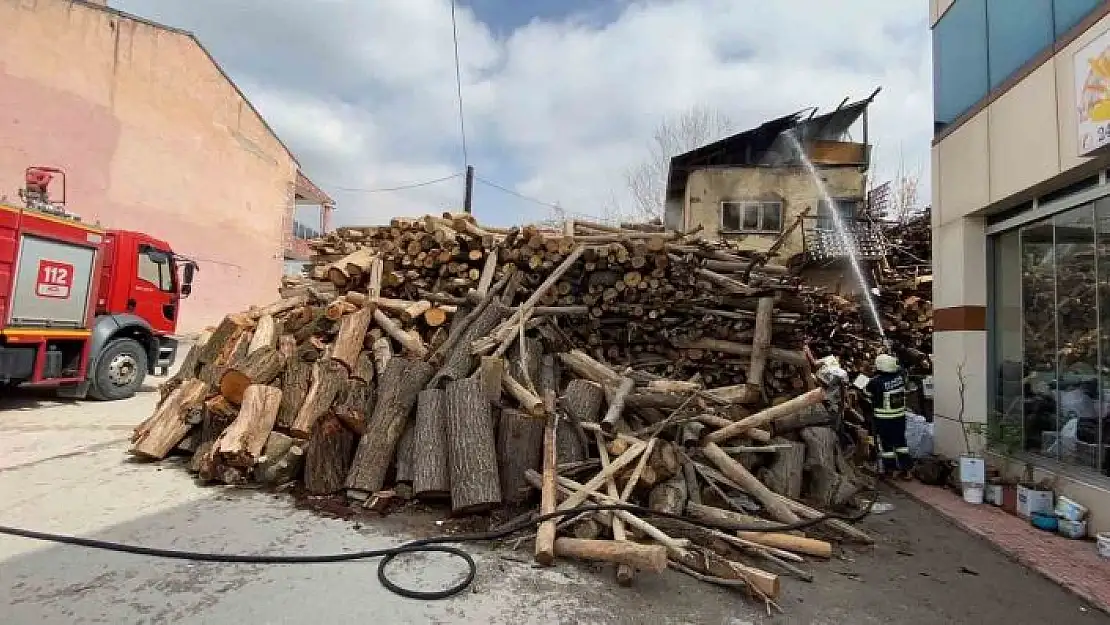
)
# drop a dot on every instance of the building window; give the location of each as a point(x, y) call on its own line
point(751, 217)
point(1067, 13)
point(1051, 338)
point(1017, 31)
point(979, 44)
point(960, 75)
point(846, 208)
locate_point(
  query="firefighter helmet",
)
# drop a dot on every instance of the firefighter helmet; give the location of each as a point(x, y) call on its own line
point(886, 363)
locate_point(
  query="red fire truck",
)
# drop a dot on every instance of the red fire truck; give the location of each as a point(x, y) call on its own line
point(87, 310)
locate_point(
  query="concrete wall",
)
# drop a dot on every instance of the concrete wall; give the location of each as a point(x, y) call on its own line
point(153, 138)
point(1020, 146)
point(795, 188)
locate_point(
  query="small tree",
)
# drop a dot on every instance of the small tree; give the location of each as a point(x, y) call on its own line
point(647, 181)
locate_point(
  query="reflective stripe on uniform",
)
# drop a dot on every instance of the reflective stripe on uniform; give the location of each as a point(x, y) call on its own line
point(902, 450)
point(892, 414)
point(889, 454)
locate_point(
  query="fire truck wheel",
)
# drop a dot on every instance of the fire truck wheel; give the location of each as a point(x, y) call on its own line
point(120, 370)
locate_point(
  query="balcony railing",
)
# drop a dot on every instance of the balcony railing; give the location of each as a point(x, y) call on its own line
point(823, 242)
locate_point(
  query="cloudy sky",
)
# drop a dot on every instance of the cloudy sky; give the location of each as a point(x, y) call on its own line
point(560, 97)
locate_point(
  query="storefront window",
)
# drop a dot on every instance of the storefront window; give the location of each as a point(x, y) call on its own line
point(1051, 337)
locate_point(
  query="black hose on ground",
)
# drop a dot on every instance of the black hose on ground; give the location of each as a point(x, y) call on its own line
point(435, 544)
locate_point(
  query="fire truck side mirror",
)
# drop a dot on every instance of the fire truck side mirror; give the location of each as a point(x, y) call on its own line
point(187, 279)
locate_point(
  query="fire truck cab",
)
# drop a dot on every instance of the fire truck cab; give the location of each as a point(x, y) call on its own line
point(88, 310)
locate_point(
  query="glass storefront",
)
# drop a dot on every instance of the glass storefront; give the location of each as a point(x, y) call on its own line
point(1051, 338)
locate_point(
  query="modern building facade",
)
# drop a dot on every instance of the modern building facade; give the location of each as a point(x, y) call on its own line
point(1021, 237)
point(153, 136)
point(751, 188)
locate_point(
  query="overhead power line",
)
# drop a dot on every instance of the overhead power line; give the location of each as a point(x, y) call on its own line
point(519, 195)
point(458, 85)
point(414, 185)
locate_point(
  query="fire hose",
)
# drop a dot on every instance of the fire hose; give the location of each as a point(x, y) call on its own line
point(435, 544)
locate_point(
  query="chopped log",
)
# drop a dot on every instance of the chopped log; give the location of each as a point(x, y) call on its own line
point(784, 475)
point(594, 483)
point(712, 564)
point(587, 529)
point(266, 334)
point(435, 316)
point(413, 346)
point(827, 486)
point(403, 461)
point(766, 416)
point(159, 434)
point(222, 337)
point(399, 386)
point(458, 362)
point(812, 416)
point(669, 496)
point(519, 448)
point(262, 366)
point(842, 527)
point(491, 370)
point(789, 357)
point(475, 484)
point(545, 533)
point(616, 405)
point(726, 519)
point(327, 456)
point(651, 558)
point(242, 442)
point(430, 471)
point(295, 383)
point(234, 351)
point(281, 461)
point(529, 401)
point(329, 378)
point(582, 400)
point(761, 344)
point(364, 367)
point(382, 350)
point(736, 472)
point(347, 346)
point(790, 542)
point(281, 306)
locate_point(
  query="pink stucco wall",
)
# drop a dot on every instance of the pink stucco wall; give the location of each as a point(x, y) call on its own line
point(152, 137)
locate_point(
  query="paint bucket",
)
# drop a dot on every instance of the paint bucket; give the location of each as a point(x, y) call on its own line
point(1032, 500)
point(973, 493)
point(972, 470)
point(1104, 544)
point(1070, 509)
point(1073, 529)
point(994, 494)
point(1046, 521)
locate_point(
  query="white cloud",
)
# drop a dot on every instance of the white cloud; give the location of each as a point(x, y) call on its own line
point(364, 92)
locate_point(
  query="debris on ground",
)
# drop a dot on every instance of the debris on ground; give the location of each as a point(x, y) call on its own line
point(482, 369)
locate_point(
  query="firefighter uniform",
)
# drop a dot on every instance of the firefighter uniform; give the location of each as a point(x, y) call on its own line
point(887, 394)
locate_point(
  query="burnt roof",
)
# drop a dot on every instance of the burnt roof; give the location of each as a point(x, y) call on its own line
point(751, 147)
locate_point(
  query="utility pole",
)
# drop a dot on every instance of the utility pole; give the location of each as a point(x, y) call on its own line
point(469, 197)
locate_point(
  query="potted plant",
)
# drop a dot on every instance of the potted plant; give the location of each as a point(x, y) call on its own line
point(1006, 439)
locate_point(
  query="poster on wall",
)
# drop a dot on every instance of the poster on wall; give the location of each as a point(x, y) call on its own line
point(1092, 94)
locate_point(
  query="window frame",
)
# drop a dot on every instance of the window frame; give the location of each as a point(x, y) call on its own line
point(744, 205)
point(165, 272)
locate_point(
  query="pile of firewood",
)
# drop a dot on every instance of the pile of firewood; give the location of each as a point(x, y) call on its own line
point(442, 361)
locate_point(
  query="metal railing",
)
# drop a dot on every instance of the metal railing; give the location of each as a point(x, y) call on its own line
point(823, 242)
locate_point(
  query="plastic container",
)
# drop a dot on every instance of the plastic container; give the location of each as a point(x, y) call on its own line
point(1030, 501)
point(1070, 509)
point(972, 470)
point(973, 493)
point(1047, 521)
point(994, 494)
point(1104, 544)
point(1072, 529)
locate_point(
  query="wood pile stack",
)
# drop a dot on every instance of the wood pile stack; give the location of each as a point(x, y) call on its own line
point(904, 281)
point(442, 361)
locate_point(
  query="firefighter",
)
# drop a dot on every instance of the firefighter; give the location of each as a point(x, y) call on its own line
point(886, 393)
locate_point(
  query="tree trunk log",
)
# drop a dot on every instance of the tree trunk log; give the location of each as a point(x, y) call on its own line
point(399, 386)
point(761, 344)
point(651, 558)
point(519, 448)
point(281, 460)
point(431, 475)
point(784, 475)
point(327, 456)
point(458, 362)
point(353, 404)
point(545, 533)
point(669, 496)
point(242, 442)
point(766, 416)
point(725, 519)
point(262, 366)
point(266, 334)
point(295, 383)
point(582, 399)
point(616, 405)
point(475, 485)
point(790, 542)
point(329, 378)
point(348, 341)
point(403, 463)
point(155, 437)
point(230, 328)
point(737, 473)
point(827, 487)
